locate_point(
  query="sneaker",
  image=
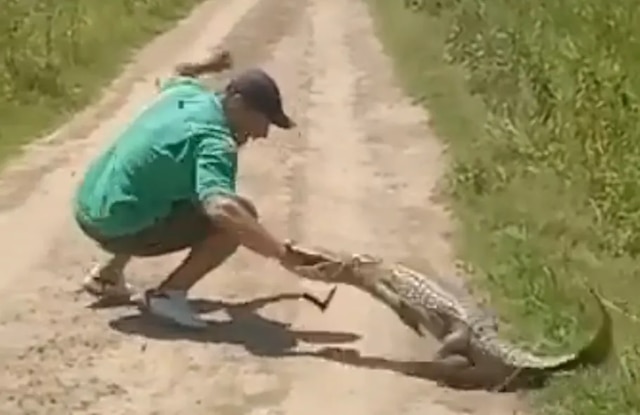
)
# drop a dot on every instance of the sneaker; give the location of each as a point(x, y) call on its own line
point(173, 306)
point(101, 286)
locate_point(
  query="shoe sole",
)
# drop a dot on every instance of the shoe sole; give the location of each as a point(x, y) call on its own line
point(89, 288)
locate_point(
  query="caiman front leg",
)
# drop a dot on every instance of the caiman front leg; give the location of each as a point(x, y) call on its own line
point(407, 315)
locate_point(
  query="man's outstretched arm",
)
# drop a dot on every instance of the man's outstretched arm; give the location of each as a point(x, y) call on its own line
point(215, 185)
point(230, 214)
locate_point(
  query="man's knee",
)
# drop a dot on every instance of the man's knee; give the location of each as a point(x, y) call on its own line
point(221, 243)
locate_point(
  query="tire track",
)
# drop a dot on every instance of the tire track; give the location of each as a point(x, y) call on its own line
point(411, 162)
point(75, 351)
point(341, 178)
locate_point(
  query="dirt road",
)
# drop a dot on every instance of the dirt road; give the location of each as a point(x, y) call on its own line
point(357, 174)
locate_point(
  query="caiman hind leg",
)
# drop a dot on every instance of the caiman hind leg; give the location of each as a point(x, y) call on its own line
point(451, 358)
point(452, 371)
point(458, 372)
point(487, 376)
point(455, 342)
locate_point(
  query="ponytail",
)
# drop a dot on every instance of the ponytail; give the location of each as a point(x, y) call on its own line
point(219, 62)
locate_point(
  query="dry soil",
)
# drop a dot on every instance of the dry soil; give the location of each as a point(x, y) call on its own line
point(358, 174)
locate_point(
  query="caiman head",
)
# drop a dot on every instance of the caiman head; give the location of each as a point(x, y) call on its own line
point(329, 266)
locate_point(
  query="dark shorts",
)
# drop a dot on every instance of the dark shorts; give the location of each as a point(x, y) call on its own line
point(186, 226)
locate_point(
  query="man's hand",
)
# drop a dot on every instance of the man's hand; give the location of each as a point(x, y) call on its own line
point(288, 258)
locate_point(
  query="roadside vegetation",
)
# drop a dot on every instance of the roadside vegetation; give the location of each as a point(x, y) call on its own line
point(56, 55)
point(538, 104)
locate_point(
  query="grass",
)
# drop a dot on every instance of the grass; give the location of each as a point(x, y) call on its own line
point(538, 105)
point(56, 55)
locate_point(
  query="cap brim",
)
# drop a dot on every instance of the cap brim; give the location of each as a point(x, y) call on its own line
point(283, 121)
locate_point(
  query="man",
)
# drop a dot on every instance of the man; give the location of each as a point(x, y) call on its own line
point(168, 183)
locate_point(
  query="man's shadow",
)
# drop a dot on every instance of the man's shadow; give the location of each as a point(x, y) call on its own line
point(257, 334)
point(261, 336)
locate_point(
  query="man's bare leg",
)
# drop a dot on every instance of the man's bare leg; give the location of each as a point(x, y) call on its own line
point(169, 300)
point(107, 280)
point(203, 258)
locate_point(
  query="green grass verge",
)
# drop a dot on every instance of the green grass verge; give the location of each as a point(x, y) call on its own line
point(56, 55)
point(538, 106)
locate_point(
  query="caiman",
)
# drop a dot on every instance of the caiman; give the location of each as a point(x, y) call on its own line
point(468, 334)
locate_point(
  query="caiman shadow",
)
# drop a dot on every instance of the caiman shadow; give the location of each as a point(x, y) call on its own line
point(461, 379)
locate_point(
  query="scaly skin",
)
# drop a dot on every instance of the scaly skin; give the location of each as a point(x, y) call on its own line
point(469, 336)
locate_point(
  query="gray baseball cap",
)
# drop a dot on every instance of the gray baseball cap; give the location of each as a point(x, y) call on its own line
point(260, 92)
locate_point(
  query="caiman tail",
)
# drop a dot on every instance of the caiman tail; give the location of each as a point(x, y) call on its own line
point(599, 348)
point(594, 352)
